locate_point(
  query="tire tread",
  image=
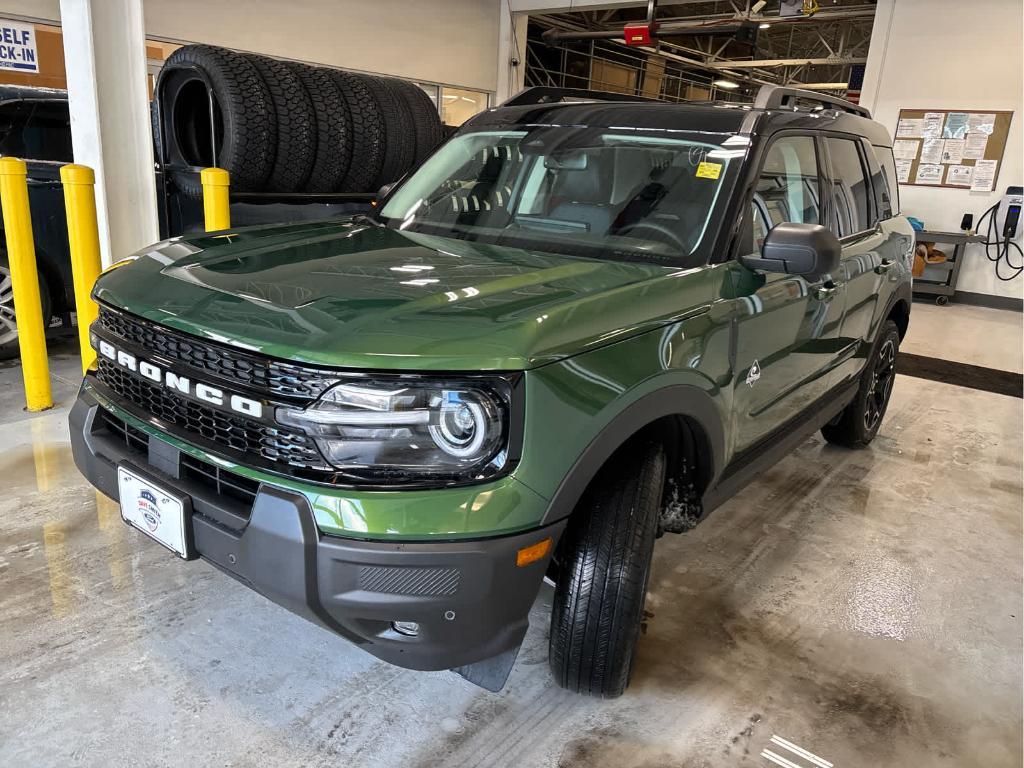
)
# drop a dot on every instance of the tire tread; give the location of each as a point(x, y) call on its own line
point(599, 598)
point(250, 126)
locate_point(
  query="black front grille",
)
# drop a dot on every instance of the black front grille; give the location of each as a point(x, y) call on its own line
point(222, 481)
point(272, 377)
point(135, 440)
point(235, 493)
point(275, 445)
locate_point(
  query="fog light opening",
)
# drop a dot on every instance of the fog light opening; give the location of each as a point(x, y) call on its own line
point(407, 628)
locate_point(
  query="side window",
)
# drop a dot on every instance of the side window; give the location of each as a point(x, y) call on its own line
point(850, 188)
point(890, 190)
point(36, 131)
point(787, 188)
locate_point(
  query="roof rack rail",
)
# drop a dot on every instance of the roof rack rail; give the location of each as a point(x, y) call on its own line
point(546, 94)
point(778, 96)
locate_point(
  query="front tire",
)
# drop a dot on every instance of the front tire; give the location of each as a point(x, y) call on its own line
point(605, 561)
point(858, 424)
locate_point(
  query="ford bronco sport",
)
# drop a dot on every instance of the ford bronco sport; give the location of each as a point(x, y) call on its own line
point(577, 310)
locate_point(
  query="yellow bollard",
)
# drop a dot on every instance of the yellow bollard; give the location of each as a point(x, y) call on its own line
point(84, 240)
point(215, 198)
point(21, 255)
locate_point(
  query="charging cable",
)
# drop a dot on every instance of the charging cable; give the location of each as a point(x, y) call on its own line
point(1002, 245)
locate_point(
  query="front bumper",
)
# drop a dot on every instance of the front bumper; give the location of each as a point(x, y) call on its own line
point(469, 598)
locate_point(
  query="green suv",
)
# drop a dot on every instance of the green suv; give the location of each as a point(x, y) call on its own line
point(581, 323)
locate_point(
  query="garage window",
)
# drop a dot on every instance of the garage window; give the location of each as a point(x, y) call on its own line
point(460, 104)
point(433, 91)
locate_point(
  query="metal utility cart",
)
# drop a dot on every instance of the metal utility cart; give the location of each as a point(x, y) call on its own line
point(943, 289)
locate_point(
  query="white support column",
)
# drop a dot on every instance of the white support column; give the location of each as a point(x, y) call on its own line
point(105, 58)
point(511, 46)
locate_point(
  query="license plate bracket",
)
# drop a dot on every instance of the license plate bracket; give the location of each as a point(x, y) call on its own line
point(162, 514)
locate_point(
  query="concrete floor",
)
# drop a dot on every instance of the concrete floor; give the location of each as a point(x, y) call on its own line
point(864, 605)
point(966, 334)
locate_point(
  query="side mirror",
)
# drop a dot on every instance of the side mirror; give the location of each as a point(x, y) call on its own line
point(810, 250)
point(385, 191)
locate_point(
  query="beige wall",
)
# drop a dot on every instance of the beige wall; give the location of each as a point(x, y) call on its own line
point(947, 54)
point(443, 41)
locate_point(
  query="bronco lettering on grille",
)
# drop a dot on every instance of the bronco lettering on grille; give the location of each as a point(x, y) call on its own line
point(182, 384)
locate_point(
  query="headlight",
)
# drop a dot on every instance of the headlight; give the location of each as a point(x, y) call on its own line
point(393, 430)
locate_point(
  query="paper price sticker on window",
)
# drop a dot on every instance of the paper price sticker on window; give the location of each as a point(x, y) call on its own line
point(708, 170)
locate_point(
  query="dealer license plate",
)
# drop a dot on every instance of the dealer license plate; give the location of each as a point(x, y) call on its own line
point(157, 513)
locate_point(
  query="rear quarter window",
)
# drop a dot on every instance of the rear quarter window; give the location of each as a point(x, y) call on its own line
point(851, 191)
point(890, 194)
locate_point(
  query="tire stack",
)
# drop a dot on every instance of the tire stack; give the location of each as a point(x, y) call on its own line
point(281, 126)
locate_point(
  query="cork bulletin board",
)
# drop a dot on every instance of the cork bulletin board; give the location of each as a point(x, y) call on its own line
point(952, 148)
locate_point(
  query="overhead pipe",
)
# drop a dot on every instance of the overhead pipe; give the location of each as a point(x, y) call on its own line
point(676, 29)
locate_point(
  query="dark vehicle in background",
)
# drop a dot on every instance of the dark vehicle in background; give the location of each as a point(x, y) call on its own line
point(34, 126)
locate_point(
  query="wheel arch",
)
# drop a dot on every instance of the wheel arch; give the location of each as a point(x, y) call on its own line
point(679, 417)
point(898, 309)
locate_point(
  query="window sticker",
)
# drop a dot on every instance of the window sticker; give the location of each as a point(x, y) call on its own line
point(708, 170)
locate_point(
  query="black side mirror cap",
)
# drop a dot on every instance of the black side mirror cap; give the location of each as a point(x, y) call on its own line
point(810, 250)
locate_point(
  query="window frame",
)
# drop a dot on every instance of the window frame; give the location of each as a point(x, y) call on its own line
point(832, 177)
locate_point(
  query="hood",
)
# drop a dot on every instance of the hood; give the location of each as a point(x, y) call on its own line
point(358, 295)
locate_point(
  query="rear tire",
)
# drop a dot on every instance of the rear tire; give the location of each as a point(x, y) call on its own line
point(859, 422)
point(604, 565)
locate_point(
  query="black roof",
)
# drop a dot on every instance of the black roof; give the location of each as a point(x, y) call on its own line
point(28, 92)
point(603, 114)
point(710, 117)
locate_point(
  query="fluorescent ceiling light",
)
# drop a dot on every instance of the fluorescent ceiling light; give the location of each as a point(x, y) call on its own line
point(765, 25)
point(725, 84)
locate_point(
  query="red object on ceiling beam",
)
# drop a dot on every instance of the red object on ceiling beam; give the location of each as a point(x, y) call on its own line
point(639, 34)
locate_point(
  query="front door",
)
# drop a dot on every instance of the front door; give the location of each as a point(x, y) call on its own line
point(786, 328)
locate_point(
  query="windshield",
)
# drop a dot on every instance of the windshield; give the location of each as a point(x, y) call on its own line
point(609, 193)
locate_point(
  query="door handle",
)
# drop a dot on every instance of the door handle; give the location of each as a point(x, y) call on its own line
point(825, 292)
point(884, 267)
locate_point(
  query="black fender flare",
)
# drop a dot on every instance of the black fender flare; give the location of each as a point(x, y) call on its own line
point(681, 400)
point(903, 294)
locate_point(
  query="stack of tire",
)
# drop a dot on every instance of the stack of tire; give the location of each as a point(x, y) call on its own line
point(281, 126)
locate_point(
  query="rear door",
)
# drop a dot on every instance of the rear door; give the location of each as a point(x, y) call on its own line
point(855, 221)
point(786, 328)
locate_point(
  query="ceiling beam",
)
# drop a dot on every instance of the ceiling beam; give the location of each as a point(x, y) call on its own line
point(771, 63)
point(821, 86)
